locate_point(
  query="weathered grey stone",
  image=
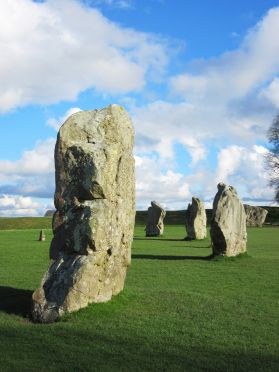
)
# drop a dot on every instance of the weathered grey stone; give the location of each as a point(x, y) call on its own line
point(155, 220)
point(95, 212)
point(196, 220)
point(228, 226)
point(255, 216)
point(49, 213)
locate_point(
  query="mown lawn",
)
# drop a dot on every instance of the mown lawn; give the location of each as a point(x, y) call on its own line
point(179, 310)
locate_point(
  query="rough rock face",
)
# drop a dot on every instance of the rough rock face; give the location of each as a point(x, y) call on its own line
point(255, 216)
point(155, 218)
point(196, 220)
point(95, 212)
point(228, 226)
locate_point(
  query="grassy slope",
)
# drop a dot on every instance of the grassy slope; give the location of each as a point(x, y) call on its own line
point(178, 311)
point(24, 223)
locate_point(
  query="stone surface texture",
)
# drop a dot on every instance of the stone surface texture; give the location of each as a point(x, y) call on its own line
point(228, 225)
point(196, 220)
point(155, 220)
point(49, 213)
point(95, 213)
point(255, 216)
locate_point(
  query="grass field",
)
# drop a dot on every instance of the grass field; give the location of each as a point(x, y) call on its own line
point(179, 310)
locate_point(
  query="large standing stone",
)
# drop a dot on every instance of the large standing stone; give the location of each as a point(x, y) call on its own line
point(196, 220)
point(95, 212)
point(155, 220)
point(228, 226)
point(255, 216)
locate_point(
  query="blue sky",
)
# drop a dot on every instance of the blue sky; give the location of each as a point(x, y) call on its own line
point(200, 80)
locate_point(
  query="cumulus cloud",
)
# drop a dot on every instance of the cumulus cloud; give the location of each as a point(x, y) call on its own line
point(15, 206)
point(245, 168)
point(235, 73)
point(53, 50)
point(237, 92)
point(226, 102)
point(33, 162)
point(169, 188)
point(32, 174)
point(162, 124)
point(272, 92)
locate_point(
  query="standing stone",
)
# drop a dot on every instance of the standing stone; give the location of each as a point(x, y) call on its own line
point(42, 236)
point(228, 226)
point(155, 220)
point(196, 220)
point(49, 213)
point(95, 213)
point(255, 216)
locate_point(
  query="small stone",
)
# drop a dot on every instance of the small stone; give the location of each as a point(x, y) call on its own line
point(155, 220)
point(255, 216)
point(228, 225)
point(42, 236)
point(196, 220)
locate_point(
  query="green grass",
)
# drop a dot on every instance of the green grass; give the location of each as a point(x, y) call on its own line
point(23, 223)
point(172, 218)
point(179, 310)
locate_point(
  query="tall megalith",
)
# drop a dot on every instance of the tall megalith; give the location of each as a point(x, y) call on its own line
point(196, 220)
point(228, 225)
point(155, 220)
point(95, 212)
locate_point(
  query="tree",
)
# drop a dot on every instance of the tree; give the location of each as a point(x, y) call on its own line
point(273, 155)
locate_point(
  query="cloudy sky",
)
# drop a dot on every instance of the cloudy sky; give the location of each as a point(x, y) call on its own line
point(199, 78)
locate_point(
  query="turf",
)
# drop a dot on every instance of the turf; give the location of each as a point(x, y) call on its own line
point(23, 223)
point(180, 311)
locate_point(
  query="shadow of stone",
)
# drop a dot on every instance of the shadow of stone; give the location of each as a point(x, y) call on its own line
point(15, 301)
point(169, 258)
point(159, 239)
point(195, 246)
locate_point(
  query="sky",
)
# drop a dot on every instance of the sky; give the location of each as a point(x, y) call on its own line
point(199, 79)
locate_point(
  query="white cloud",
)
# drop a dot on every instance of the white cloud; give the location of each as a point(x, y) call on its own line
point(53, 50)
point(245, 169)
point(122, 4)
point(32, 174)
point(227, 102)
point(272, 92)
point(227, 95)
point(153, 183)
point(33, 162)
point(11, 206)
point(56, 123)
point(236, 73)
point(162, 124)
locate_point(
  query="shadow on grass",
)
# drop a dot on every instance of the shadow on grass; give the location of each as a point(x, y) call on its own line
point(211, 257)
point(170, 258)
point(47, 350)
point(15, 301)
point(159, 239)
point(173, 240)
point(193, 246)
